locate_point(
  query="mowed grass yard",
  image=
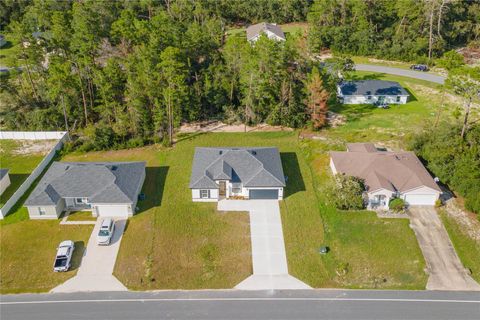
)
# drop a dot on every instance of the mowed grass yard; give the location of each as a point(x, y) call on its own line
point(391, 126)
point(173, 243)
point(20, 165)
point(27, 254)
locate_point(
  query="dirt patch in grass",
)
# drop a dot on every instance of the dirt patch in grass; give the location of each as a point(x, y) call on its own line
point(28, 251)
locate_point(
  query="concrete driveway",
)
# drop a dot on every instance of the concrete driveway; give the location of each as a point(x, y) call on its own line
point(95, 271)
point(270, 270)
point(445, 269)
point(402, 72)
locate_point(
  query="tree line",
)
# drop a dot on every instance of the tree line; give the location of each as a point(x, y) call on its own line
point(409, 30)
point(127, 73)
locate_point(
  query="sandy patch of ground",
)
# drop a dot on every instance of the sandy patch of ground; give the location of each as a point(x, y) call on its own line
point(218, 126)
point(449, 98)
point(34, 146)
point(467, 220)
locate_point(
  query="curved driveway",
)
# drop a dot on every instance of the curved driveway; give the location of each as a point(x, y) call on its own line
point(402, 72)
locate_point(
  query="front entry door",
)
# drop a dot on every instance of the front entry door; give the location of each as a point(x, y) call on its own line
point(223, 188)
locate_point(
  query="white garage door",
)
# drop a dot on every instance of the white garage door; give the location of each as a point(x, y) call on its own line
point(420, 199)
point(112, 211)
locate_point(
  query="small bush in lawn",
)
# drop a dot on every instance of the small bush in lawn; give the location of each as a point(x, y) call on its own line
point(397, 205)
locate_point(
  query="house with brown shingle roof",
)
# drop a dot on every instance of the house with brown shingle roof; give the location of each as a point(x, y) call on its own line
point(387, 175)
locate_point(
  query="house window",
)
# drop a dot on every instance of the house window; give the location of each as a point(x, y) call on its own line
point(81, 200)
point(236, 190)
point(398, 98)
point(204, 194)
point(41, 211)
point(369, 97)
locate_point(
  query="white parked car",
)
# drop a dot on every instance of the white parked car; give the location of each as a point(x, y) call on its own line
point(106, 232)
point(64, 255)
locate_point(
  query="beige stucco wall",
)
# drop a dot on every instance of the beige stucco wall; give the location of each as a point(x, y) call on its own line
point(51, 212)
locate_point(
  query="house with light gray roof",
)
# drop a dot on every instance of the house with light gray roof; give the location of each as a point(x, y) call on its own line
point(108, 189)
point(371, 92)
point(239, 173)
point(271, 30)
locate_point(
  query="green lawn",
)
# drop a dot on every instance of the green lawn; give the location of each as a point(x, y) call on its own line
point(81, 216)
point(184, 245)
point(191, 246)
point(7, 52)
point(390, 126)
point(20, 166)
point(28, 251)
point(467, 248)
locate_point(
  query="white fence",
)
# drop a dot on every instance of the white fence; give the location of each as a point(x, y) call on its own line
point(32, 135)
point(37, 135)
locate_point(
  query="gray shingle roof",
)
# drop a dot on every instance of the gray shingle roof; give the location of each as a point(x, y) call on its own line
point(101, 182)
point(254, 167)
point(3, 173)
point(256, 29)
point(372, 87)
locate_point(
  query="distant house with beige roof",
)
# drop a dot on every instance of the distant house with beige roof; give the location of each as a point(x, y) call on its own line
point(271, 30)
point(387, 175)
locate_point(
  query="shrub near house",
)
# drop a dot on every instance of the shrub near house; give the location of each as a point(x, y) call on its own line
point(347, 192)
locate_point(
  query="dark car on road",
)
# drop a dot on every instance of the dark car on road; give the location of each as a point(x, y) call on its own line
point(419, 67)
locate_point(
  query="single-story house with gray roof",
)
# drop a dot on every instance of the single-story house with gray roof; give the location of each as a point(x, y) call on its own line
point(108, 189)
point(4, 180)
point(271, 30)
point(371, 92)
point(238, 173)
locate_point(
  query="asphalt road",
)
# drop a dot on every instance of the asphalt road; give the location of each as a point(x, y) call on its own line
point(231, 304)
point(402, 72)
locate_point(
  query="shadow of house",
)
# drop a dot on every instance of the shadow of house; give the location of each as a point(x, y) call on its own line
point(412, 96)
point(292, 172)
point(153, 188)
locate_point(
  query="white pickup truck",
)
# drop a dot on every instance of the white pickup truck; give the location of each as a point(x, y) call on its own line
point(64, 256)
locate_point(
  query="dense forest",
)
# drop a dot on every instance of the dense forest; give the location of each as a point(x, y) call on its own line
point(126, 73)
point(410, 30)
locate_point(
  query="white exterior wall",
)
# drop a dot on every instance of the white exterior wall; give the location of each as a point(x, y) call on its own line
point(51, 212)
point(112, 210)
point(269, 34)
point(332, 166)
point(423, 196)
point(4, 183)
point(365, 100)
point(213, 195)
point(387, 193)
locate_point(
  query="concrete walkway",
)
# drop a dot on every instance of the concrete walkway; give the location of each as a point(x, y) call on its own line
point(95, 271)
point(445, 269)
point(402, 72)
point(270, 270)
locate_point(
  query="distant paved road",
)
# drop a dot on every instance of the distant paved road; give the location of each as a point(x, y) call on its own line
point(231, 304)
point(402, 72)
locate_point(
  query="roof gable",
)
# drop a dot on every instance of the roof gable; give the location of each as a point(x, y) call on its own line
point(101, 182)
point(372, 87)
point(252, 166)
point(394, 171)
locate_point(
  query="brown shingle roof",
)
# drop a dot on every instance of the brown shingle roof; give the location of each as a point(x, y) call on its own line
point(395, 171)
